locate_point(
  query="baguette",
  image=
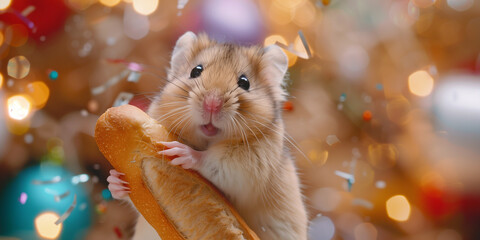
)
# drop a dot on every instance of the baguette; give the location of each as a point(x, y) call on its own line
point(178, 203)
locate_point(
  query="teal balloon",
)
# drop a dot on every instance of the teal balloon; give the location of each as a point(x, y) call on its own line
point(21, 201)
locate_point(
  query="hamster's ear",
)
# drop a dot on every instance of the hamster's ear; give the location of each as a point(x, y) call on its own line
point(275, 64)
point(183, 45)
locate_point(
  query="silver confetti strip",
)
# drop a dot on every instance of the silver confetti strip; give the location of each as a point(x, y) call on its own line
point(55, 179)
point(61, 196)
point(345, 175)
point(112, 81)
point(67, 213)
point(305, 55)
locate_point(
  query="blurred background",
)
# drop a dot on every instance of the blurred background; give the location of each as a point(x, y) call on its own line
point(385, 104)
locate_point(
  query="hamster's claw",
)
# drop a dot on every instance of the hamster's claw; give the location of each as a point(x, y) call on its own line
point(184, 155)
point(117, 186)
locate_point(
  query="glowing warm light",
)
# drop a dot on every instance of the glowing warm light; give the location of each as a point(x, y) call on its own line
point(46, 227)
point(1, 38)
point(280, 15)
point(145, 7)
point(4, 4)
point(398, 208)
point(1, 80)
point(18, 107)
point(305, 14)
point(109, 3)
point(272, 39)
point(420, 83)
point(39, 92)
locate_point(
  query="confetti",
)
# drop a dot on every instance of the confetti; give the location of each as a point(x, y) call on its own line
point(305, 55)
point(112, 81)
point(332, 139)
point(28, 10)
point(68, 212)
point(101, 208)
point(288, 106)
point(367, 116)
point(118, 232)
point(379, 86)
point(343, 97)
point(23, 198)
point(53, 75)
point(18, 67)
point(263, 229)
point(133, 77)
point(347, 176)
point(180, 5)
point(55, 179)
point(61, 196)
point(106, 194)
point(362, 202)
point(23, 17)
point(123, 98)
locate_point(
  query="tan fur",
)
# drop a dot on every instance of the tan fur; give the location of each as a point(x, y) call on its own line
point(247, 160)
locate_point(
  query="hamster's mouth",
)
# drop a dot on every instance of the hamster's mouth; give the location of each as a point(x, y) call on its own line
point(209, 129)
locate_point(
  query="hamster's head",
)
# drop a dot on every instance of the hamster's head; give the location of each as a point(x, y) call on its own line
point(219, 91)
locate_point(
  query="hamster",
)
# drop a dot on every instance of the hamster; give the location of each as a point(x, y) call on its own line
point(224, 103)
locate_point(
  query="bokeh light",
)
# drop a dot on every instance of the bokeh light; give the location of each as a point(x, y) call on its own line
point(460, 5)
point(1, 80)
point(382, 156)
point(110, 3)
point(321, 228)
point(46, 227)
point(365, 231)
point(420, 83)
point(18, 34)
point(4, 4)
point(145, 7)
point(18, 67)
point(39, 92)
point(2, 37)
point(398, 208)
point(18, 107)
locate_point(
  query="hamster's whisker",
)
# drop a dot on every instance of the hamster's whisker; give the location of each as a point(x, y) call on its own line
point(174, 128)
point(244, 134)
point(183, 128)
point(246, 125)
point(285, 135)
point(172, 113)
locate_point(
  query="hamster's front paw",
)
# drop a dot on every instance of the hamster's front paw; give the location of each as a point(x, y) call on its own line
point(184, 155)
point(117, 186)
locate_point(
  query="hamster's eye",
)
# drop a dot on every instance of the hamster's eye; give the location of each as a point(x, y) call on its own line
point(243, 82)
point(196, 71)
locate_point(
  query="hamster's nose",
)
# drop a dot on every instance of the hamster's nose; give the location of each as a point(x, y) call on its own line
point(212, 103)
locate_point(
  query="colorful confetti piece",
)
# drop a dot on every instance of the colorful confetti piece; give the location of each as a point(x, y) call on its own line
point(123, 98)
point(68, 212)
point(23, 198)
